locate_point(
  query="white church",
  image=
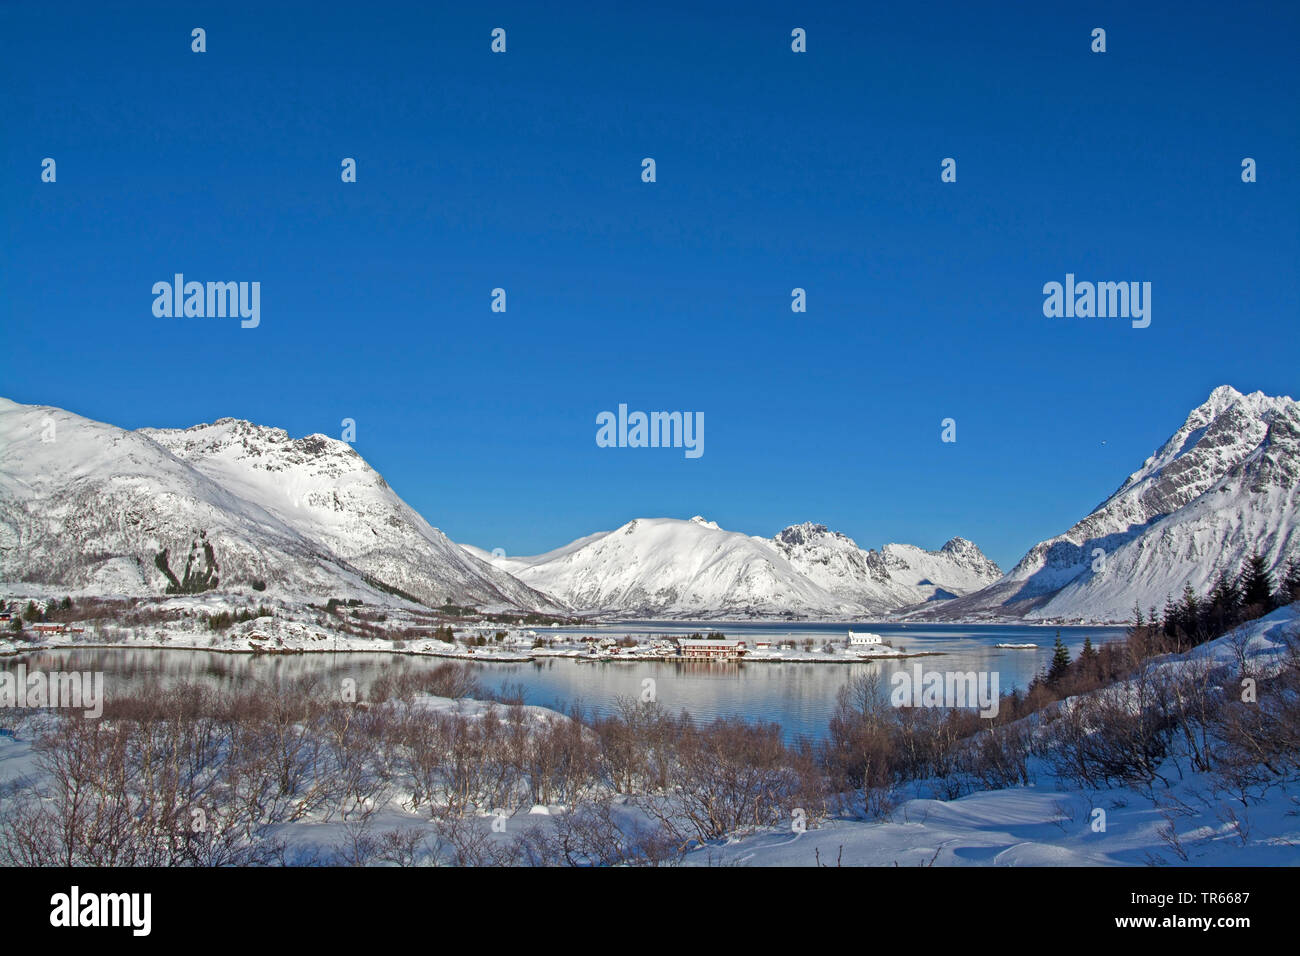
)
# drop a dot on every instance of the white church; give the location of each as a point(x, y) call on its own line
point(863, 639)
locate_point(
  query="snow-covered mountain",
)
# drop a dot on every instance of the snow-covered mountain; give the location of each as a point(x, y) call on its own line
point(89, 506)
point(895, 576)
point(666, 567)
point(1225, 484)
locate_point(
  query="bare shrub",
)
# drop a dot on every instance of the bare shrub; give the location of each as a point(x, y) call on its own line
point(1116, 735)
point(728, 775)
point(998, 756)
point(859, 752)
point(635, 742)
point(591, 835)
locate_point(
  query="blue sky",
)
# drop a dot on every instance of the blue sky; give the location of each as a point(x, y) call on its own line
point(775, 170)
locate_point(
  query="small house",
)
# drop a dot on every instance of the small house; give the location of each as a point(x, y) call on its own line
point(864, 639)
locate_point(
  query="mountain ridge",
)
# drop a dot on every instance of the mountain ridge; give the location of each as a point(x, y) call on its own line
point(89, 505)
point(682, 568)
point(1223, 484)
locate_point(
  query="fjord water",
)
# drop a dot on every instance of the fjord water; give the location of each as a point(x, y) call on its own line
point(798, 696)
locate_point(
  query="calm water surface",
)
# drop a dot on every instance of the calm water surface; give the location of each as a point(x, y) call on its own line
point(800, 697)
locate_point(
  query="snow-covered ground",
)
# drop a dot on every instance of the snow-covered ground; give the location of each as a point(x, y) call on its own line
point(290, 627)
point(1035, 826)
point(1049, 824)
point(1045, 824)
point(293, 627)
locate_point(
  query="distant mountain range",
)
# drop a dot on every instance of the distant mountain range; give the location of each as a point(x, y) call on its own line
point(237, 506)
point(669, 568)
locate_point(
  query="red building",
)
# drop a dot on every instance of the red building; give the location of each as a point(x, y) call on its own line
point(714, 649)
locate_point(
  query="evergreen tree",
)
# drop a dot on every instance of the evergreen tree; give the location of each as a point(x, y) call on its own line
point(1256, 584)
point(1222, 611)
point(1138, 632)
point(1173, 622)
point(1291, 583)
point(1060, 662)
point(1089, 653)
point(1189, 616)
point(1089, 663)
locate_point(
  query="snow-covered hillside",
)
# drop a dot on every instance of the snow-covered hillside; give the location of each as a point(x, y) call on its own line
point(327, 491)
point(666, 567)
point(1052, 823)
point(92, 507)
point(896, 576)
point(1225, 484)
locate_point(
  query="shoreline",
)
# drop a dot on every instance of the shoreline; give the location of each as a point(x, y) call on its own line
point(846, 622)
point(466, 658)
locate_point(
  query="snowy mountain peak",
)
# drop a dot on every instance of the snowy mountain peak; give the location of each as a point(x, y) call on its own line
point(107, 509)
point(1226, 483)
point(969, 555)
point(809, 533)
point(261, 446)
point(1217, 436)
point(665, 567)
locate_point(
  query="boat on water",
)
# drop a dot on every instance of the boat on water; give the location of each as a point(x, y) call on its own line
point(1018, 647)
